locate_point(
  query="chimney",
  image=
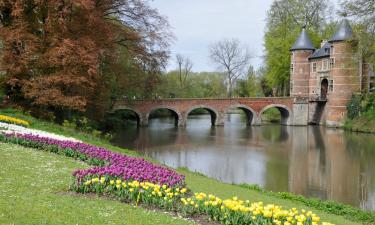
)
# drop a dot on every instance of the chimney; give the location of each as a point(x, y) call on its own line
point(322, 43)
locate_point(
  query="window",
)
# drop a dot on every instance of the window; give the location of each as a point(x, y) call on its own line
point(314, 67)
point(325, 65)
point(330, 85)
point(332, 50)
point(291, 68)
point(331, 63)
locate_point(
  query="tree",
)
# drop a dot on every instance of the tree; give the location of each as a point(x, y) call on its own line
point(55, 59)
point(185, 66)
point(363, 11)
point(284, 22)
point(232, 57)
point(250, 86)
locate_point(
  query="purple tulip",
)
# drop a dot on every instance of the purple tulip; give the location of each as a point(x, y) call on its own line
point(119, 165)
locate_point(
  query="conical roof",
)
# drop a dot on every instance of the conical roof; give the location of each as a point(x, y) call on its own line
point(344, 32)
point(303, 42)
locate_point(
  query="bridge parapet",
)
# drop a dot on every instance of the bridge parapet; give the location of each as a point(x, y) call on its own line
point(253, 107)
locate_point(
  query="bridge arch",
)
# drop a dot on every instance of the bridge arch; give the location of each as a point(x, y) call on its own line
point(251, 115)
point(137, 114)
point(285, 112)
point(213, 112)
point(176, 114)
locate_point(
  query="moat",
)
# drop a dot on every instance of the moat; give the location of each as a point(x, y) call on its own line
point(310, 160)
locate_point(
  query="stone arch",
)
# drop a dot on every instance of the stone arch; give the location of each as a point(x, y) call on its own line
point(136, 112)
point(175, 112)
point(251, 115)
point(214, 113)
point(285, 112)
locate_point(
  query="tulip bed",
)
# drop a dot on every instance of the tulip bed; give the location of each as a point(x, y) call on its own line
point(138, 181)
point(105, 161)
point(229, 211)
point(12, 120)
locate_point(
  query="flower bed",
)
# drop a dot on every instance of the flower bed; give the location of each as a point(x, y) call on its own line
point(12, 120)
point(138, 181)
point(106, 162)
point(229, 211)
point(12, 128)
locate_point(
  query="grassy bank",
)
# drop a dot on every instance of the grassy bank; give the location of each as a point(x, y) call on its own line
point(196, 182)
point(361, 113)
point(33, 190)
point(365, 123)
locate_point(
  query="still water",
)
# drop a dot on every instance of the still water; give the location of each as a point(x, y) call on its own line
point(313, 161)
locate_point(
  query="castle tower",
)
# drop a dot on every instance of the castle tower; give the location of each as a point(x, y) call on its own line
point(343, 79)
point(300, 67)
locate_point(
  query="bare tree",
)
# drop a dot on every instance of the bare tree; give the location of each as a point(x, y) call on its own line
point(185, 65)
point(232, 57)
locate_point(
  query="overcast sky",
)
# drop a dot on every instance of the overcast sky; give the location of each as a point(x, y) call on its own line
point(198, 23)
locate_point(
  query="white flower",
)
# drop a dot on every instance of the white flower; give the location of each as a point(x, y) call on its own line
point(12, 128)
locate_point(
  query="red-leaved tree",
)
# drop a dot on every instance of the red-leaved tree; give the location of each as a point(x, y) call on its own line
point(59, 54)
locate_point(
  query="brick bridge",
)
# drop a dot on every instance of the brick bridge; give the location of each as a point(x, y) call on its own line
point(293, 111)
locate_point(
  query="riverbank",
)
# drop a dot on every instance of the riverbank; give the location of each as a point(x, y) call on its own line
point(365, 124)
point(361, 114)
point(199, 183)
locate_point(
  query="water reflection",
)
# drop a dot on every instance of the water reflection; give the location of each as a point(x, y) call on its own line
point(312, 161)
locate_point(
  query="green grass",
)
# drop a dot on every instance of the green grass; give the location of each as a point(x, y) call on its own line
point(33, 190)
point(195, 181)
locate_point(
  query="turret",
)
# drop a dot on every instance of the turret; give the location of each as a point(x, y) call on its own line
point(344, 77)
point(300, 68)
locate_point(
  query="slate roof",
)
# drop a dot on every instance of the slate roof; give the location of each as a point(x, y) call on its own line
point(303, 42)
point(344, 32)
point(322, 52)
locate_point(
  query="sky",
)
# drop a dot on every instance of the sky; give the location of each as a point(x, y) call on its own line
point(198, 23)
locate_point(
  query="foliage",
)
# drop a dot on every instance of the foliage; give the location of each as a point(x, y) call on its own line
point(250, 86)
point(199, 85)
point(361, 113)
point(284, 22)
point(354, 106)
point(271, 115)
point(55, 59)
point(364, 13)
point(12, 120)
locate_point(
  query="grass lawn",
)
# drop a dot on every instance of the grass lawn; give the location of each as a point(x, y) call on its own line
point(33, 190)
point(28, 162)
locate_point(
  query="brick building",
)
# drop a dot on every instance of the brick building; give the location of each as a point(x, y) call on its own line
point(328, 76)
